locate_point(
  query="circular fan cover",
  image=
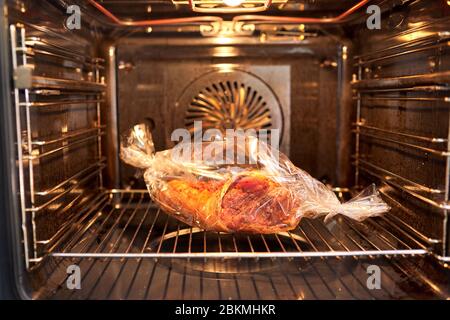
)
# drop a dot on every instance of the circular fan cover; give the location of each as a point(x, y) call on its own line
point(230, 99)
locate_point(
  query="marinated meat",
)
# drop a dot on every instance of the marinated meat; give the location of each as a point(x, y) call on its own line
point(268, 194)
point(249, 202)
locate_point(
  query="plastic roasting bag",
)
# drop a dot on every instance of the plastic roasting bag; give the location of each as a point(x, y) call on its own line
point(237, 184)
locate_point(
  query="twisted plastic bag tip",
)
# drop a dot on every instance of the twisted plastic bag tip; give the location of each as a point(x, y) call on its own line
point(367, 203)
point(136, 146)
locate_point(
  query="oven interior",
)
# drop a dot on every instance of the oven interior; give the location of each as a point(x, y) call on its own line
point(354, 105)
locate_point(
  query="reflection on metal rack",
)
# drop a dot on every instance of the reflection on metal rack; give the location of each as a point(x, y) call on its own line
point(36, 46)
point(59, 103)
point(410, 184)
point(431, 41)
point(66, 84)
point(74, 182)
point(69, 145)
point(66, 136)
point(439, 205)
point(129, 226)
point(401, 134)
point(436, 78)
point(405, 144)
point(435, 88)
point(404, 225)
point(399, 98)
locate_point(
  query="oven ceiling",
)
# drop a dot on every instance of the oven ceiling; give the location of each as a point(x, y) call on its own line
point(147, 9)
point(216, 17)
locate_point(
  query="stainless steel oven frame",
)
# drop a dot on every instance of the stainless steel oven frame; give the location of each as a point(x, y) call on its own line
point(64, 203)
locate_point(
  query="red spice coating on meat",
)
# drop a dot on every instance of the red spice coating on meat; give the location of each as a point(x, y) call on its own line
point(256, 204)
point(249, 203)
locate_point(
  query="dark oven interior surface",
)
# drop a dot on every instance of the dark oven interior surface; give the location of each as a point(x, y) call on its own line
point(138, 252)
point(354, 106)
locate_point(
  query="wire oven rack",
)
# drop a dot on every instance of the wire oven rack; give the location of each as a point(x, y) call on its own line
point(51, 178)
point(127, 248)
point(416, 93)
point(126, 224)
point(298, 279)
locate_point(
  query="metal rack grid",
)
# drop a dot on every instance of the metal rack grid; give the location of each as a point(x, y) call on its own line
point(299, 279)
point(126, 224)
point(34, 92)
point(411, 90)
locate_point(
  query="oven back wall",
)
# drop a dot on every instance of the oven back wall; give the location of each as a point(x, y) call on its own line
point(157, 83)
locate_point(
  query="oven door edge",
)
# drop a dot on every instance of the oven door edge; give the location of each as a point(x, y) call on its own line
point(13, 275)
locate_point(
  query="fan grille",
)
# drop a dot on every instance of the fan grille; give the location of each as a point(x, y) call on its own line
point(229, 105)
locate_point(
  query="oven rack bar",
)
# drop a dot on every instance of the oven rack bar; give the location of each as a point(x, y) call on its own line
point(82, 204)
point(67, 135)
point(77, 181)
point(409, 182)
point(71, 180)
point(62, 92)
point(430, 88)
point(441, 205)
point(402, 53)
point(86, 203)
point(403, 224)
point(66, 84)
point(76, 61)
point(439, 153)
point(54, 33)
point(391, 51)
point(243, 255)
point(129, 226)
point(43, 104)
point(402, 134)
point(436, 78)
point(72, 53)
point(400, 98)
point(64, 147)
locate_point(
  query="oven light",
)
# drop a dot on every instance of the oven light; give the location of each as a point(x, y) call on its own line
point(223, 40)
point(225, 52)
point(233, 3)
point(226, 67)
